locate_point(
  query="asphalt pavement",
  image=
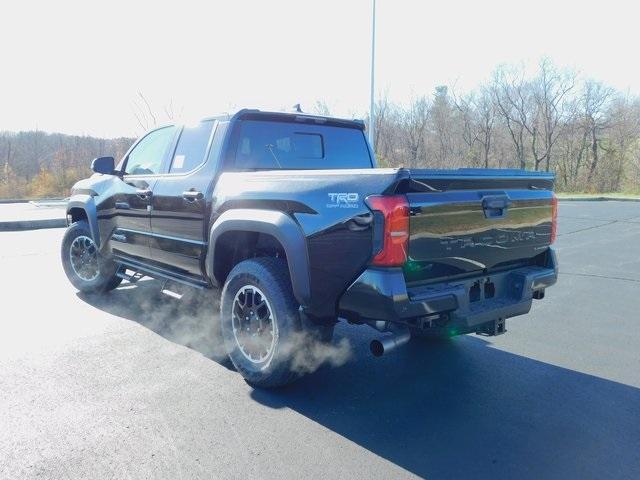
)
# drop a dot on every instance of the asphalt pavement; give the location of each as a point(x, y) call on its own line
point(123, 386)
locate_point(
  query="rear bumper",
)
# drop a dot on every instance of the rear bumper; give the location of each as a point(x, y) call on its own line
point(382, 295)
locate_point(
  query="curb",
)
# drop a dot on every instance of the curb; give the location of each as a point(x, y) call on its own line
point(20, 225)
point(598, 199)
point(27, 200)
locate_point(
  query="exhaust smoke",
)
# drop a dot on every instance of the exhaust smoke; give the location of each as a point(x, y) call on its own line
point(191, 318)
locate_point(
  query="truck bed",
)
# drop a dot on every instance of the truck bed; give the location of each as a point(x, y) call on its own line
point(463, 222)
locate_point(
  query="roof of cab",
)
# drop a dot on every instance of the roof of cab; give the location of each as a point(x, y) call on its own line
point(255, 114)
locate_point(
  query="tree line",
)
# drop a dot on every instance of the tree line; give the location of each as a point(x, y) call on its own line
point(583, 130)
point(36, 164)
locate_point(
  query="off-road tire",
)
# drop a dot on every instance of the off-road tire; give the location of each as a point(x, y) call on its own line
point(106, 278)
point(271, 277)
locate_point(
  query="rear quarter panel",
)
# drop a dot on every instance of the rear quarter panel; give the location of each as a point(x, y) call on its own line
point(328, 206)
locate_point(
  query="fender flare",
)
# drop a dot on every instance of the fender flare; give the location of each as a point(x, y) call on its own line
point(88, 204)
point(274, 223)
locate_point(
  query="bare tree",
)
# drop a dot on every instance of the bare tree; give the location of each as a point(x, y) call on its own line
point(470, 128)
point(414, 125)
point(509, 93)
point(321, 108)
point(478, 114)
point(382, 109)
point(549, 93)
point(146, 115)
point(443, 127)
point(624, 130)
point(487, 115)
point(595, 99)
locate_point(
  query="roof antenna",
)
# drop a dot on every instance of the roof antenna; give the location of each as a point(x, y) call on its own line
point(296, 108)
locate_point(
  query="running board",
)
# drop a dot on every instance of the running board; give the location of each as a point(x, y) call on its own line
point(137, 275)
point(155, 272)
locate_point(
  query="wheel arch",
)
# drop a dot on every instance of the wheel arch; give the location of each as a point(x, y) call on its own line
point(84, 207)
point(275, 224)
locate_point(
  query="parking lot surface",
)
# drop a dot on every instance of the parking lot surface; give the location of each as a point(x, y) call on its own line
point(123, 386)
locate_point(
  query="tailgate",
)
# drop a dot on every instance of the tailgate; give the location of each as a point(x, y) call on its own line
point(474, 221)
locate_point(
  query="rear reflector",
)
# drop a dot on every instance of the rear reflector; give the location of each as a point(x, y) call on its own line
point(395, 238)
point(554, 218)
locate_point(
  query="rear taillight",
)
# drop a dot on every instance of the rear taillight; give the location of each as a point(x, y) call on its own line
point(395, 236)
point(554, 218)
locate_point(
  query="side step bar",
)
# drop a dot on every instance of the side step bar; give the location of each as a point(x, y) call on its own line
point(141, 270)
point(137, 275)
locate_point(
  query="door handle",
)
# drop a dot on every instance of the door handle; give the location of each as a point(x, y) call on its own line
point(144, 193)
point(192, 195)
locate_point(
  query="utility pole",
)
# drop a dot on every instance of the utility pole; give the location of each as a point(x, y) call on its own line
point(372, 120)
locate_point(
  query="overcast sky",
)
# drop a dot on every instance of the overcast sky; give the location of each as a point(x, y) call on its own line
point(76, 67)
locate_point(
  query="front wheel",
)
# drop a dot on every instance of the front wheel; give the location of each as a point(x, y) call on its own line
point(86, 268)
point(260, 322)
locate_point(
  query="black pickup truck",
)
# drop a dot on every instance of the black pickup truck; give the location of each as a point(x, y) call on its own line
point(286, 215)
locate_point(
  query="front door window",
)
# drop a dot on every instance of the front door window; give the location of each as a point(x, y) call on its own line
point(147, 156)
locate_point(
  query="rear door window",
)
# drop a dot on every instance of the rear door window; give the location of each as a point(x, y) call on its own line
point(265, 145)
point(191, 148)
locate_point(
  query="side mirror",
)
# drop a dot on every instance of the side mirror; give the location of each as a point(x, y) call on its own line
point(103, 165)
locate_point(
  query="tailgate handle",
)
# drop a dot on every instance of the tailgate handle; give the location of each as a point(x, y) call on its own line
point(495, 206)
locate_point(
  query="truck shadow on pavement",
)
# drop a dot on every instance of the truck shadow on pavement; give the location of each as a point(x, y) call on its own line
point(462, 409)
point(454, 409)
point(189, 320)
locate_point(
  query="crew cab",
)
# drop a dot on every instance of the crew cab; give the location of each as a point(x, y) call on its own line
point(286, 216)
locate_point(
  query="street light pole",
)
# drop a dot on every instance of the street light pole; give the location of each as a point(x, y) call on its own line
point(373, 59)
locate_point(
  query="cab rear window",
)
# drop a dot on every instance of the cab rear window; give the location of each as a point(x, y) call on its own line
point(265, 145)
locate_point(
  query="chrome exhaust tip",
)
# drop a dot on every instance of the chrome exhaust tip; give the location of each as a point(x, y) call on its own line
point(387, 344)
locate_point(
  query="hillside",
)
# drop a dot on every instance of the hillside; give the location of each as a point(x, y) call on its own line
point(36, 164)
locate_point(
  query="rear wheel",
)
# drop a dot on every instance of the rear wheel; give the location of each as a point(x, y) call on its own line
point(260, 322)
point(86, 268)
